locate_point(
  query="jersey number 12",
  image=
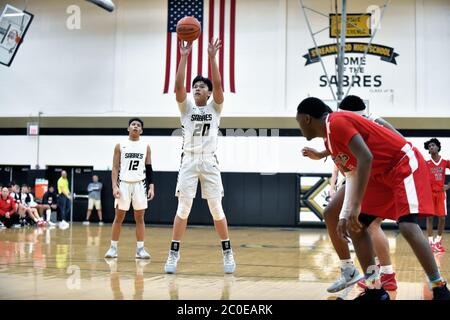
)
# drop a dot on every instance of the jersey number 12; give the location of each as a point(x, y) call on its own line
point(134, 164)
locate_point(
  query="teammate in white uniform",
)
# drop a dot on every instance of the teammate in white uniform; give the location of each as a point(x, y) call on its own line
point(131, 173)
point(200, 121)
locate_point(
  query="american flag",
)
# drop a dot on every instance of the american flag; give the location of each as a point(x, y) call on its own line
point(217, 18)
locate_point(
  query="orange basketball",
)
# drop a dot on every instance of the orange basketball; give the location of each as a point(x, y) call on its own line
point(188, 28)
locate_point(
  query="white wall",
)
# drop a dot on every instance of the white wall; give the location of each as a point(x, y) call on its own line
point(115, 63)
point(235, 154)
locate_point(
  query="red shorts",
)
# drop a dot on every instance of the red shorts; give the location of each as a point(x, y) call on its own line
point(440, 203)
point(403, 190)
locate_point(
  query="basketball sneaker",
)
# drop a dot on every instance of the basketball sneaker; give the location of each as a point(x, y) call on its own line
point(373, 294)
point(438, 247)
point(388, 282)
point(85, 223)
point(172, 260)
point(228, 261)
point(111, 253)
point(64, 225)
point(349, 276)
point(441, 292)
point(142, 254)
point(100, 223)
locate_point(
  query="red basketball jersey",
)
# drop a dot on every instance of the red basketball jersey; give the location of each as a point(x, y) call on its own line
point(386, 147)
point(437, 173)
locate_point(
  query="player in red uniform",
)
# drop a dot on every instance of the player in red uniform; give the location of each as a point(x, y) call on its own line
point(349, 272)
point(386, 177)
point(437, 167)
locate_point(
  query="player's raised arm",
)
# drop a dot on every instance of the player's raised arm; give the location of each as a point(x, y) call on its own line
point(115, 171)
point(213, 47)
point(180, 88)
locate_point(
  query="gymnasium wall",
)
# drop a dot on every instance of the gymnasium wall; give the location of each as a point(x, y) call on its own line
point(114, 64)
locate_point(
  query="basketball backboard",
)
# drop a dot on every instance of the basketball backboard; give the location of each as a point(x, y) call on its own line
point(14, 24)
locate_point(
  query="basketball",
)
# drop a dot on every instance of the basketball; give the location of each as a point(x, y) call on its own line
point(188, 28)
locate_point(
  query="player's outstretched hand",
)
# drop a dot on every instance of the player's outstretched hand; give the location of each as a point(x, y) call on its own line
point(311, 153)
point(213, 47)
point(185, 49)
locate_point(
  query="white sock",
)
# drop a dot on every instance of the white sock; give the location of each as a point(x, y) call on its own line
point(438, 238)
point(430, 239)
point(346, 263)
point(387, 269)
point(114, 243)
point(139, 244)
point(377, 261)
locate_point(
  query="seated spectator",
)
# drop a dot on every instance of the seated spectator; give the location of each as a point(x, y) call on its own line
point(49, 203)
point(8, 217)
point(21, 209)
point(31, 206)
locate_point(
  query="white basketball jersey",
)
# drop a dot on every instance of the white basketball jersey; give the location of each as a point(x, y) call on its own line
point(132, 160)
point(200, 127)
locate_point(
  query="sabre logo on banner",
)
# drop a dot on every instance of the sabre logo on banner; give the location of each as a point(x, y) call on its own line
point(385, 53)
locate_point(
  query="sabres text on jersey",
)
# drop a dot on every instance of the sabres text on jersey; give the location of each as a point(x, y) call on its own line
point(134, 156)
point(202, 117)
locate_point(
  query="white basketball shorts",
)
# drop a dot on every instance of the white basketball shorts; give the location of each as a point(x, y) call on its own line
point(195, 167)
point(132, 192)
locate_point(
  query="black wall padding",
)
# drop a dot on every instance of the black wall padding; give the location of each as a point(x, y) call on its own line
point(251, 199)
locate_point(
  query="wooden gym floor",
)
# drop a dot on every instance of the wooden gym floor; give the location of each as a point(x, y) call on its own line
point(272, 263)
